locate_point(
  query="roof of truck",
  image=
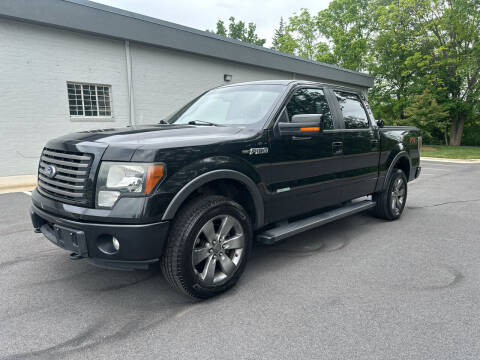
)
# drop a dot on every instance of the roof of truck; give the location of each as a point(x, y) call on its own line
point(90, 17)
point(290, 82)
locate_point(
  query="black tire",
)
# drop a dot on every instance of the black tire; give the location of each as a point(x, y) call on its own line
point(385, 207)
point(187, 233)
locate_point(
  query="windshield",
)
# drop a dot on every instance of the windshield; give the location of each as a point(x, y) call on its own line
point(239, 105)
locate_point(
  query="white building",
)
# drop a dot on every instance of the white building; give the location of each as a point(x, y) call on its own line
point(68, 65)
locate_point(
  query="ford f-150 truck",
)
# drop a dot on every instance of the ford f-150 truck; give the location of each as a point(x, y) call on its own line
point(259, 160)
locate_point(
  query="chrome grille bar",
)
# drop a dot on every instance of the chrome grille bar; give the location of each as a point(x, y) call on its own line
point(61, 192)
point(64, 163)
point(67, 171)
point(65, 178)
point(66, 156)
point(60, 183)
point(67, 182)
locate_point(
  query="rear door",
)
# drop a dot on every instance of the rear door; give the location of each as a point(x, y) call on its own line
point(361, 145)
point(305, 170)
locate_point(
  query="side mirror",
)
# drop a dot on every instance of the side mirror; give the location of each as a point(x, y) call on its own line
point(380, 123)
point(302, 125)
point(307, 118)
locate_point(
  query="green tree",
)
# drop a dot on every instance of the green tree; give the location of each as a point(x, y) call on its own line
point(428, 47)
point(428, 115)
point(346, 24)
point(239, 31)
point(302, 29)
point(221, 29)
point(279, 33)
point(392, 51)
point(453, 33)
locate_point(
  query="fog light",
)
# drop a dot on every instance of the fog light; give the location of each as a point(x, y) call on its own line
point(116, 244)
point(108, 244)
point(107, 198)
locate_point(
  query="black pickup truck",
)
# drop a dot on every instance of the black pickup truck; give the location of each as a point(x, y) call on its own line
point(260, 160)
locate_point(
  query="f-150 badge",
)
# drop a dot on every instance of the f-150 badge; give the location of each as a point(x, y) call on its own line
point(256, 151)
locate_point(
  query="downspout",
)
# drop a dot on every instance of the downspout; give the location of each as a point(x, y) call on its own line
point(131, 118)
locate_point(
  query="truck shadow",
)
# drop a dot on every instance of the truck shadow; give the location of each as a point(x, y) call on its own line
point(140, 301)
point(328, 238)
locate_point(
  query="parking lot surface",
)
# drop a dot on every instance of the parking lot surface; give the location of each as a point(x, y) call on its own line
point(359, 288)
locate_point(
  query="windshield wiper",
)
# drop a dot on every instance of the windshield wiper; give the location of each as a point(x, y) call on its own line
point(163, 122)
point(201, 122)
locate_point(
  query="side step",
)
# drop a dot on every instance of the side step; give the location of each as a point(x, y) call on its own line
point(286, 230)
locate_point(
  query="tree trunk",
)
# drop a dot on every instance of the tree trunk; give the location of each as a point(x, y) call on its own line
point(453, 130)
point(456, 131)
point(458, 135)
point(446, 135)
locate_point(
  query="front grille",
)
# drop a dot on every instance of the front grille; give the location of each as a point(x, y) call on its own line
point(70, 175)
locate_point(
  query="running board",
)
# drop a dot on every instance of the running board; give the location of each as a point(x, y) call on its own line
point(286, 230)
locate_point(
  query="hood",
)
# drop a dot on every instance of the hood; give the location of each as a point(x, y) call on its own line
point(121, 143)
point(161, 135)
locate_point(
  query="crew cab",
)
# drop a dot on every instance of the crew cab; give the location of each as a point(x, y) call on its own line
point(251, 161)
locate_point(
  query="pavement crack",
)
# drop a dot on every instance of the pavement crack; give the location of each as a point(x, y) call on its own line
point(23, 259)
point(128, 284)
point(15, 231)
point(441, 204)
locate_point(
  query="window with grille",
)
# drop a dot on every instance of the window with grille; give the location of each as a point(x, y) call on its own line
point(89, 100)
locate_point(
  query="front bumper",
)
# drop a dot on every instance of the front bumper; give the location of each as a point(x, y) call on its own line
point(140, 244)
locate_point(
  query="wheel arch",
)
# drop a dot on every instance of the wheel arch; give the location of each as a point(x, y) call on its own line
point(400, 161)
point(213, 177)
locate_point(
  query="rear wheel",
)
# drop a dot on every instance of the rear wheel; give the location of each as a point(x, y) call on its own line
point(208, 247)
point(391, 202)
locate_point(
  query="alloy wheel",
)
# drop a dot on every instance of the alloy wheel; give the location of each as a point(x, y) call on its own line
point(398, 195)
point(218, 250)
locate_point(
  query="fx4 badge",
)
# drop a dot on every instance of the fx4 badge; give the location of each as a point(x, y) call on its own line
point(256, 151)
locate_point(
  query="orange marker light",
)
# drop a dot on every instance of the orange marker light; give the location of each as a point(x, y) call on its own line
point(310, 129)
point(154, 175)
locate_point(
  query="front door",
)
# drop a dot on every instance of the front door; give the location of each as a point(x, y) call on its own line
point(305, 170)
point(361, 147)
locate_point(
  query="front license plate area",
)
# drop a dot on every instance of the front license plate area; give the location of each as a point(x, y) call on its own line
point(69, 239)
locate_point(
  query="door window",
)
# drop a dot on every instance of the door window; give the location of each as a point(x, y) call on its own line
point(310, 101)
point(354, 114)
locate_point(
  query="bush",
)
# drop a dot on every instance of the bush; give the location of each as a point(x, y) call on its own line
point(471, 135)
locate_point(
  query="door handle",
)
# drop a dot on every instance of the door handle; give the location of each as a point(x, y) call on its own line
point(297, 138)
point(337, 147)
point(375, 142)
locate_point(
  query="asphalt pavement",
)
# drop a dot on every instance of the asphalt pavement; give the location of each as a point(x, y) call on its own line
point(359, 288)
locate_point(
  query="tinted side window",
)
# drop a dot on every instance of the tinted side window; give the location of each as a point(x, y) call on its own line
point(310, 101)
point(353, 112)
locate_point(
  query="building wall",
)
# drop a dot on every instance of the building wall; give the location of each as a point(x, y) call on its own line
point(164, 80)
point(35, 64)
point(37, 61)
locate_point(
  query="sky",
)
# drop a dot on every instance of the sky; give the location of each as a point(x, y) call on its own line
point(203, 14)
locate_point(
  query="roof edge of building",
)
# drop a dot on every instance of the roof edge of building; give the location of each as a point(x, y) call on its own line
point(90, 17)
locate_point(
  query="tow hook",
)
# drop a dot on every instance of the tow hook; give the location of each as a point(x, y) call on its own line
point(75, 256)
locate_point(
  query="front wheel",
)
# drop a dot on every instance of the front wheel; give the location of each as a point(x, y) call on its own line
point(208, 247)
point(391, 202)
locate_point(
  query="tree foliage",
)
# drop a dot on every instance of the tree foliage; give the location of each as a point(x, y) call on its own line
point(426, 113)
point(239, 31)
point(424, 54)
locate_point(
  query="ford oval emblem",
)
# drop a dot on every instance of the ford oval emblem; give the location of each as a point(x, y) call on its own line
point(50, 171)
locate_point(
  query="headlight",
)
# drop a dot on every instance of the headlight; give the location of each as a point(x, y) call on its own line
point(115, 179)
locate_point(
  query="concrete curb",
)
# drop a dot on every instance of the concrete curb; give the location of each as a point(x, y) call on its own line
point(9, 184)
point(457, 161)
